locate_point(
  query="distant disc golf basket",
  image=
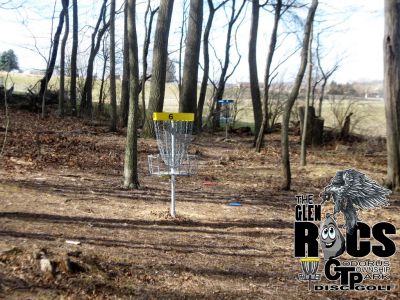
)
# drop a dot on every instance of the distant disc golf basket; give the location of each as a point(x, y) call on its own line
point(173, 133)
point(227, 113)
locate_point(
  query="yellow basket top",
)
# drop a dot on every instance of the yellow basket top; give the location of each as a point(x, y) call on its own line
point(307, 259)
point(168, 116)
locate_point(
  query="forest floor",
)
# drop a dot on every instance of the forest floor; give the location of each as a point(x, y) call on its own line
point(61, 180)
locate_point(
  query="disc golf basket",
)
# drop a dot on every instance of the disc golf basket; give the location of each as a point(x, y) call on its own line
point(227, 113)
point(309, 266)
point(173, 133)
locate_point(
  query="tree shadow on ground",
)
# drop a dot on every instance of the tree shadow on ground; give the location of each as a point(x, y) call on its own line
point(209, 249)
point(276, 223)
point(217, 195)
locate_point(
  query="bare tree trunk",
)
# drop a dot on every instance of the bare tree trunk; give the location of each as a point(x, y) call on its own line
point(254, 86)
point(74, 53)
point(392, 91)
point(271, 51)
point(303, 146)
point(188, 101)
point(345, 130)
point(52, 60)
point(103, 77)
point(146, 46)
point(124, 108)
point(206, 68)
point(97, 35)
point(182, 38)
point(224, 77)
point(6, 95)
point(286, 173)
point(321, 96)
point(315, 84)
point(113, 88)
point(61, 96)
point(160, 55)
point(131, 179)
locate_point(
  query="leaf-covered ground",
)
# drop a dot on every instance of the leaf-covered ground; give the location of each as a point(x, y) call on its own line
point(61, 180)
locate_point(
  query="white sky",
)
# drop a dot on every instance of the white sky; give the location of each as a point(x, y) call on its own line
point(357, 36)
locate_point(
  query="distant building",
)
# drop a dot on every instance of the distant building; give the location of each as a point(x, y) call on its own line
point(373, 95)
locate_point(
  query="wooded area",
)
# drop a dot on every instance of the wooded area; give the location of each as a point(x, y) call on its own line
point(81, 217)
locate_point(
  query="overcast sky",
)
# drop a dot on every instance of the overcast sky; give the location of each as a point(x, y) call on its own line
point(356, 37)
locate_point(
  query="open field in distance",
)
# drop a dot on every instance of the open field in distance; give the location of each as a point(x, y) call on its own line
point(368, 115)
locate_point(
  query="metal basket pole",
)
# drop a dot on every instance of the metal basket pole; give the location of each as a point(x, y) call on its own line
point(226, 113)
point(173, 179)
point(226, 122)
point(173, 132)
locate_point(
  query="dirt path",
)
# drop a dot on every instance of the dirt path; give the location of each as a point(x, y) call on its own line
point(61, 180)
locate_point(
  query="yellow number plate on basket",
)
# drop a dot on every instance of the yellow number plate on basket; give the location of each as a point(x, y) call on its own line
point(167, 116)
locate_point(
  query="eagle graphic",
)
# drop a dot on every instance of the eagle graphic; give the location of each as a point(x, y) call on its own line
point(351, 191)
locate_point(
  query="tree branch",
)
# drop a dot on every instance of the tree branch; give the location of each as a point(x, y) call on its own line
point(7, 115)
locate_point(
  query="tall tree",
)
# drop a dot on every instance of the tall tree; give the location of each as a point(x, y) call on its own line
point(105, 56)
point(286, 173)
point(146, 45)
point(392, 91)
point(148, 24)
point(52, 60)
point(160, 56)
point(74, 53)
point(224, 76)
point(206, 58)
point(124, 108)
point(303, 146)
point(61, 99)
point(8, 61)
point(267, 75)
point(183, 34)
point(254, 86)
point(113, 88)
point(97, 35)
point(188, 102)
point(131, 179)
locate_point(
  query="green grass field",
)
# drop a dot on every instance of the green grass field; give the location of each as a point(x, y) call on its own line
point(368, 116)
